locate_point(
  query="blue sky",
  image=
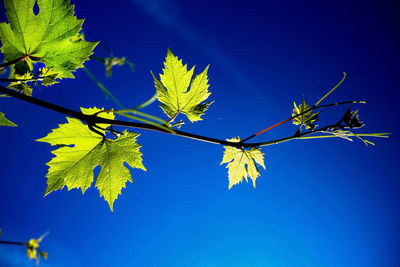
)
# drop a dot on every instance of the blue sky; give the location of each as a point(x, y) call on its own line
point(318, 203)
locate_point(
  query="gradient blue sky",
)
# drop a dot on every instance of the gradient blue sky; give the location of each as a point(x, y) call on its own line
point(319, 203)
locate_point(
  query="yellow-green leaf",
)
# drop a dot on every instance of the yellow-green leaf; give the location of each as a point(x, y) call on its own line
point(5, 122)
point(307, 117)
point(48, 37)
point(22, 85)
point(241, 163)
point(48, 76)
point(73, 166)
point(31, 248)
point(179, 92)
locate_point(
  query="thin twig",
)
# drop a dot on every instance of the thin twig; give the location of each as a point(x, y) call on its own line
point(295, 116)
point(13, 243)
point(21, 80)
point(105, 91)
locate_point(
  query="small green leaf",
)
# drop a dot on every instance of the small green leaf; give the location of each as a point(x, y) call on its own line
point(178, 92)
point(31, 248)
point(48, 75)
point(350, 118)
point(5, 122)
point(307, 118)
point(44, 254)
point(241, 163)
point(73, 166)
point(22, 86)
point(110, 62)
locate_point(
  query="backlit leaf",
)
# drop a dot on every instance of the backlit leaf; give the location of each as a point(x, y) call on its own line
point(179, 92)
point(5, 122)
point(31, 248)
point(48, 37)
point(307, 118)
point(241, 163)
point(73, 166)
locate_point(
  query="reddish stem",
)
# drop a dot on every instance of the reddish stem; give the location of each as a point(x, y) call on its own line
point(14, 61)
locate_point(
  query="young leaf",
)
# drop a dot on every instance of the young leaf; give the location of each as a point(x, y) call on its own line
point(350, 118)
point(48, 75)
point(31, 248)
point(48, 37)
point(241, 163)
point(22, 85)
point(73, 166)
point(307, 119)
point(5, 122)
point(172, 89)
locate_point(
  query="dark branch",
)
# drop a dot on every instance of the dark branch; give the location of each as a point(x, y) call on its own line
point(92, 120)
point(13, 243)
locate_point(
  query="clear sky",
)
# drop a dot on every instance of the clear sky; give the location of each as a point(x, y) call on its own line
point(318, 203)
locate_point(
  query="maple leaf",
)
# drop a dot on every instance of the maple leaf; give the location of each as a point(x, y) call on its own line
point(307, 118)
point(73, 166)
point(241, 163)
point(5, 122)
point(48, 37)
point(173, 93)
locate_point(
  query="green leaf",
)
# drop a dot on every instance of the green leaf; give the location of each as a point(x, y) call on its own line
point(22, 86)
point(73, 166)
point(173, 93)
point(241, 163)
point(49, 37)
point(306, 118)
point(110, 62)
point(5, 122)
point(22, 71)
point(31, 248)
point(48, 75)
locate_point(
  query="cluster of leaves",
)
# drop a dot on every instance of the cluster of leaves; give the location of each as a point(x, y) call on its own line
point(52, 38)
point(33, 250)
point(44, 48)
point(112, 61)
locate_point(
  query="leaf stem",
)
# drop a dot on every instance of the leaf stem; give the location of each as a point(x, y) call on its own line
point(333, 89)
point(293, 117)
point(14, 61)
point(105, 91)
point(288, 119)
point(168, 122)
